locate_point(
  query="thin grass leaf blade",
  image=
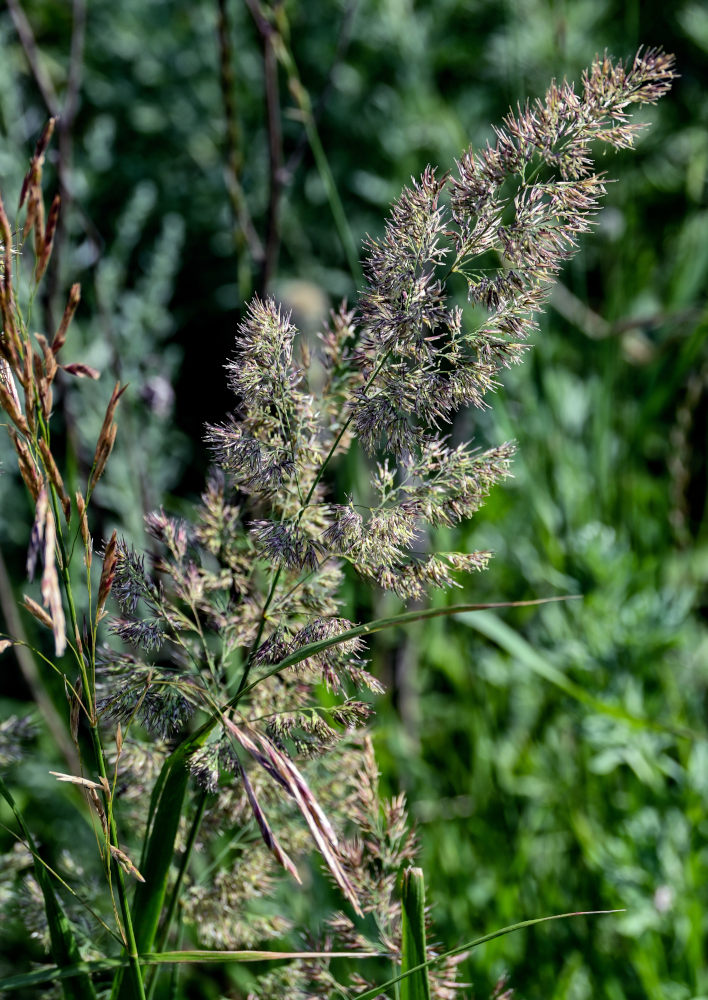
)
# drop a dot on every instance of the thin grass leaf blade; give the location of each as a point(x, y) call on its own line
point(372, 994)
point(200, 956)
point(489, 625)
point(192, 957)
point(64, 948)
point(380, 624)
point(415, 986)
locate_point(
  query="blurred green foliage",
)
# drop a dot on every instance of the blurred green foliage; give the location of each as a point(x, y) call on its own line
point(527, 801)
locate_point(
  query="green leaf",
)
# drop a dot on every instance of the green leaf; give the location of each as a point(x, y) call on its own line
point(416, 985)
point(65, 950)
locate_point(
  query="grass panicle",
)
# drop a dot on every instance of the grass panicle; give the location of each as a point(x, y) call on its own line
point(227, 715)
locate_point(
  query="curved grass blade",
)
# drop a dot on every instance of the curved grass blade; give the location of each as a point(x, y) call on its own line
point(196, 957)
point(506, 638)
point(469, 945)
point(65, 950)
point(414, 953)
point(379, 624)
point(201, 956)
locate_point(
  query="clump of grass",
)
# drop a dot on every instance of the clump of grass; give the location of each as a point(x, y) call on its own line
point(229, 639)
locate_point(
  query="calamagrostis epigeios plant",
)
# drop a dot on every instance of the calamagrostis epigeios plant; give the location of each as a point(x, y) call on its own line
point(238, 621)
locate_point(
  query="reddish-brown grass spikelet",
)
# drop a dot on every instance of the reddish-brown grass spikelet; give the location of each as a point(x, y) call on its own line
point(108, 572)
point(37, 611)
point(43, 384)
point(31, 216)
point(83, 525)
point(9, 403)
point(24, 374)
point(50, 364)
point(284, 772)
point(100, 811)
point(27, 465)
point(103, 451)
point(107, 436)
point(43, 540)
point(49, 232)
point(126, 864)
point(60, 335)
point(80, 370)
point(10, 338)
point(46, 376)
point(32, 190)
point(34, 174)
point(37, 202)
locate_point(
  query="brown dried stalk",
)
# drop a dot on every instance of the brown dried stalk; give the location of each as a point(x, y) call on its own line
point(283, 771)
point(269, 838)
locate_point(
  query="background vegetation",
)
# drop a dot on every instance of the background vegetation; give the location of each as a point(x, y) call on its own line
point(529, 798)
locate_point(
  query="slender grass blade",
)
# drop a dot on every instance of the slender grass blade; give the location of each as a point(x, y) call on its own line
point(372, 994)
point(489, 625)
point(193, 957)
